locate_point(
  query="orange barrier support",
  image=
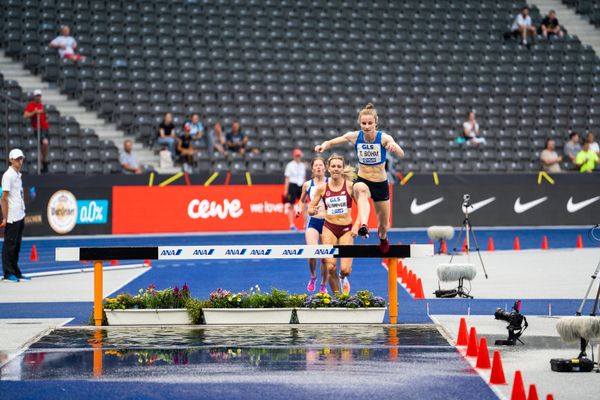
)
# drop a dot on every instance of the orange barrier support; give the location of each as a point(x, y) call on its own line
point(98, 309)
point(393, 289)
point(97, 345)
point(393, 341)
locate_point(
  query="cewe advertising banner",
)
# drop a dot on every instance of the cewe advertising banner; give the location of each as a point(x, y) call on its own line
point(143, 209)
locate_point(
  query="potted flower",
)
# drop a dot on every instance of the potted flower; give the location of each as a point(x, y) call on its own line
point(149, 307)
point(361, 308)
point(251, 307)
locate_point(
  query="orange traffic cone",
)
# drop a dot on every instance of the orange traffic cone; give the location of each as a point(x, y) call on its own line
point(533, 394)
point(404, 274)
point(464, 248)
point(497, 375)
point(491, 245)
point(147, 263)
point(579, 244)
point(114, 262)
point(472, 344)
point(461, 339)
point(34, 256)
point(483, 356)
point(545, 243)
point(549, 396)
point(399, 269)
point(517, 245)
point(409, 280)
point(518, 389)
point(419, 294)
point(443, 247)
point(412, 282)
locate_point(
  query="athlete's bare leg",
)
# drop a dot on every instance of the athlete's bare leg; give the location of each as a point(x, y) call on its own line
point(362, 194)
point(328, 237)
point(382, 210)
point(346, 263)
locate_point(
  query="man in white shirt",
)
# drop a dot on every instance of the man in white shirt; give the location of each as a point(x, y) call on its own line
point(522, 26)
point(13, 217)
point(66, 45)
point(295, 175)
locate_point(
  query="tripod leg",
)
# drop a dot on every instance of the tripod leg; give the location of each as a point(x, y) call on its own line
point(477, 248)
point(587, 293)
point(462, 228)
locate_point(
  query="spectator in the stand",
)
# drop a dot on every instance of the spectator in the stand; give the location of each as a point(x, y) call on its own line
point(586, 159)
point(237, 140)
point(550, 160)
point(593, 144)
point(66, 45)
point(550, 26)
point(184, 147)
point(166, 134)
point(295, 175)
point(523, 28)
point(217, 137)
point(471, 130)
point(196, 130)
point(128, 159)
point(34, 110)
point(572, 147)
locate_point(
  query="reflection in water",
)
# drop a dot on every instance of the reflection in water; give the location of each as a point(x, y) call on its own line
point(143, 353)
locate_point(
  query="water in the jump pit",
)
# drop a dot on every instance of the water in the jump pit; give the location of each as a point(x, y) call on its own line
point(318, 360)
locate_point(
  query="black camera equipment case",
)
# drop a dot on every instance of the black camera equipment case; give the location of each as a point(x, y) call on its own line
point(571, 364)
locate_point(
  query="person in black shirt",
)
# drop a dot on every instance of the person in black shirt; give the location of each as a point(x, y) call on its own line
point(550, 26)
point(184, 147)
point(166, 134)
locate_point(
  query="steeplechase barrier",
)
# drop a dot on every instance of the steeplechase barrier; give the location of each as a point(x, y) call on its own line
point(101, 254)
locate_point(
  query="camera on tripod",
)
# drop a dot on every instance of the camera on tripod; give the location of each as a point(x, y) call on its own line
point(466, 200)
point(517, 323)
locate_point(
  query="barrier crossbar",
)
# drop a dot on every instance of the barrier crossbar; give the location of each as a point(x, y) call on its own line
point(100, 254)
point(233, 252)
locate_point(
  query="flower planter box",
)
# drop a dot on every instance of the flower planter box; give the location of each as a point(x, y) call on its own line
point(340, 315)
point(247, 316)
point(176, 316)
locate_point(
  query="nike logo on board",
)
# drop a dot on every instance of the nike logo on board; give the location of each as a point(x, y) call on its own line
point(476, 206)
point(416, 208)
point(574, 207)
point(522, 207)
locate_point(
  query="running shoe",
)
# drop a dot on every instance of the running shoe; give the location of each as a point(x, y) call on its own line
point(311, 284)
point(323, 288)
point(363, 231)
point(24, 278)
point(11, 279)
point(346, 286)
point(384, 245)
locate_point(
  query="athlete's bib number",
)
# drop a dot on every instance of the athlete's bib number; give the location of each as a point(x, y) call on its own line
point(336, 205)
point(369, 153)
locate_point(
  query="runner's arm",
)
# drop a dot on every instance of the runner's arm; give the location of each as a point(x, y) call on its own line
point(346, 137)
point(390, 145)
point(313, 208)
point(301, 204)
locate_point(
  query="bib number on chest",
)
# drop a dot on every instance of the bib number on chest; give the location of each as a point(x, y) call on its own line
point(336, 205)
point(369, 153)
